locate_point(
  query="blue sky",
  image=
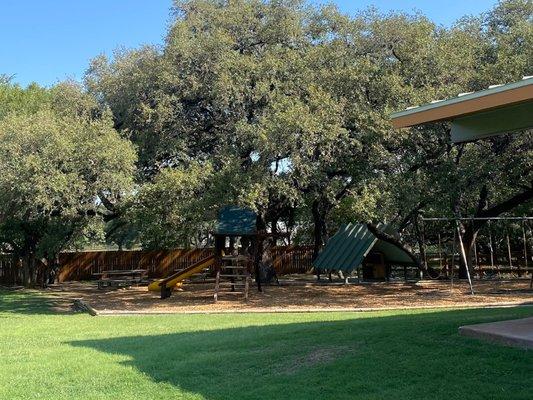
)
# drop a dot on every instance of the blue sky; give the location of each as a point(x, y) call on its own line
point(51, 40)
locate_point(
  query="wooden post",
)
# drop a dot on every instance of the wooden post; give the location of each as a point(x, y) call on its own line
point(246, 284)
point(220, 241)
point(217, 284)
point(256, 255)
point(166, 292)
point(463, 253)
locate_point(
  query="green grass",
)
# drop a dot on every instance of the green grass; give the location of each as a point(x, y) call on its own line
point(381, 355)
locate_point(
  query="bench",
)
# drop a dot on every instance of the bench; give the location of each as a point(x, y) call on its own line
point(121, 278)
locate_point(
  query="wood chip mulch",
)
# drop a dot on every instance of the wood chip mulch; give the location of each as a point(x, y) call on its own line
point(295, 296)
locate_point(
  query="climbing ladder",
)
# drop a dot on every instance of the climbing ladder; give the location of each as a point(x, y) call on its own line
point(235, 274)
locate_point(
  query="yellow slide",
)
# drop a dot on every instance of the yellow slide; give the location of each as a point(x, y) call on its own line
point(172, 280)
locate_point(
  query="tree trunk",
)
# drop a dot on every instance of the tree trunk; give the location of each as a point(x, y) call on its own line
point(26, 276)
point(392, 240)
point(274, 229)
point(319, 229)
point(420, 242)
point(29, 275)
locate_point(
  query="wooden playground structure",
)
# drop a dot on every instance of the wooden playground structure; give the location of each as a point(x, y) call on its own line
point(237, 256)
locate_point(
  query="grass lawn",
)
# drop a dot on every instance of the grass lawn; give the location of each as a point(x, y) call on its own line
point(379, 355)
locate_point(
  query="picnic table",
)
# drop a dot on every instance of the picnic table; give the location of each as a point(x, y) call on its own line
point(121, 278)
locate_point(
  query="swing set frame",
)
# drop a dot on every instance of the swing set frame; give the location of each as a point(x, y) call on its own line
point(527, 238)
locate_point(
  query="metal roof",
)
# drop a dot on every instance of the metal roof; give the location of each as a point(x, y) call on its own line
point(498, 109)
point(346, 250)
point(495, 95)
point(236, 221)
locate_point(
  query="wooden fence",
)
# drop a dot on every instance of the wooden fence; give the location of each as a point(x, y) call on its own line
point(292, 259)
point(82, 265)
point(76, 266)
point(515, 263)
point(8, 269)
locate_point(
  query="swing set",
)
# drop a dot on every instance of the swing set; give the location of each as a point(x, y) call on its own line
point(500, 249)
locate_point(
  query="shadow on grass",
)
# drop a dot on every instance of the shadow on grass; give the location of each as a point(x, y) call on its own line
point(22, 301)
point(399, 356)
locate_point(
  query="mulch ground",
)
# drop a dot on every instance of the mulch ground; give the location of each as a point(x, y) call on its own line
point(296, 295)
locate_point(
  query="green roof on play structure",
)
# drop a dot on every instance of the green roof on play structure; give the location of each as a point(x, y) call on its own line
point(236, 221)
point(347, 249)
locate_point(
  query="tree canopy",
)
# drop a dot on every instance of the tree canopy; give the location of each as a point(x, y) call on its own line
point(62, 167)
point(289, 103)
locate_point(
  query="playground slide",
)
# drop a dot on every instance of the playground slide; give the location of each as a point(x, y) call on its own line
point(174, 279)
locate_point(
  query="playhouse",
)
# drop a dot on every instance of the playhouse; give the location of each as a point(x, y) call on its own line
point(355, 248)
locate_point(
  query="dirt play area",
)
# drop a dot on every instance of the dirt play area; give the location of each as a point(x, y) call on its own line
point(294, 295)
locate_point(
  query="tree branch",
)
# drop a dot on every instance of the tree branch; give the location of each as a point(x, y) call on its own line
point(413, 213)
point(507, 205)
point(106, 202)
point(474, 226)
point(392, 240)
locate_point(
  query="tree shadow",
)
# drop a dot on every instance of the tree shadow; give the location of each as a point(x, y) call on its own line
point(29, 302)
point(400, 356)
